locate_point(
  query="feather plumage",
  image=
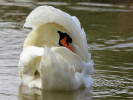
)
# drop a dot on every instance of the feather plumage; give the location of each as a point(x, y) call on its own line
point(43, 63)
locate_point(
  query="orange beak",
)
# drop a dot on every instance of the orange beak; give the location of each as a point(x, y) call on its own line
point(65, 44)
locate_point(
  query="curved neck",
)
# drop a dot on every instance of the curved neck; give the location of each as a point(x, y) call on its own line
point(44, 35)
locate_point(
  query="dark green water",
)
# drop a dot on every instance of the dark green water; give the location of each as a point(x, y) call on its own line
point(109, 28)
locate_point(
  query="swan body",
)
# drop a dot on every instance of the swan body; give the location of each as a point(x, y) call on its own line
point(47, 64)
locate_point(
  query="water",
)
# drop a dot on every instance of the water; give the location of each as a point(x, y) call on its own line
point(109, 29)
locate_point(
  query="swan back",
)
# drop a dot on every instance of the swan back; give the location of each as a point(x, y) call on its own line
point(48, 14)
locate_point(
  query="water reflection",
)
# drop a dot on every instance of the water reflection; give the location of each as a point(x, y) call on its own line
point(26, 93)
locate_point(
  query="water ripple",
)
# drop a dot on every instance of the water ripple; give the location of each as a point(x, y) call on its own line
point(100, 4)
point(53, 3)
point(98, 9)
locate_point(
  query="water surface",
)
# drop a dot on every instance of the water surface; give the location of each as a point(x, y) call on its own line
point(109, 29)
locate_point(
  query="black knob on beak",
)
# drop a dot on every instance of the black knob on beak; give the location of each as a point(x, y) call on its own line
point(63, 35)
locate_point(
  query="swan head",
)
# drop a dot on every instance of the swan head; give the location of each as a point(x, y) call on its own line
point(50, 34)
point(53, 27)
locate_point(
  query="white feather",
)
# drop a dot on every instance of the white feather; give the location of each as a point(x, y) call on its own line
point(47, 14)
point(53, 67)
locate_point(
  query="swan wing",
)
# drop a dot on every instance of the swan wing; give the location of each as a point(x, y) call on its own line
point(59, 68)
point(29, 64)
point(71, 57)
point(48, 14)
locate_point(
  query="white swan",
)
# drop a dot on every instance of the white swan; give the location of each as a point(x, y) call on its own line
point(55, 54)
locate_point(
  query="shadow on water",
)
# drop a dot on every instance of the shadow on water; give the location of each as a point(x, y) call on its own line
point(26, 93)
point(109, 28)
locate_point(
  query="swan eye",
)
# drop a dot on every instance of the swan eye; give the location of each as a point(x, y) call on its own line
point(65, 40)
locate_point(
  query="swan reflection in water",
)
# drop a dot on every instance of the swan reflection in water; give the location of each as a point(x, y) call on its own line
point(26, 93)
